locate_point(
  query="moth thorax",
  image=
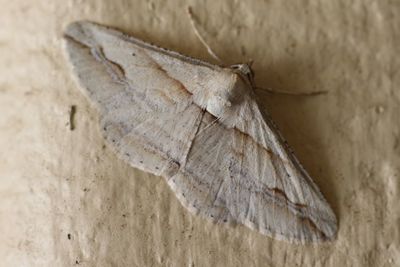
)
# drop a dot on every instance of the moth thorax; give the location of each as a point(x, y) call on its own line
point(226, 97)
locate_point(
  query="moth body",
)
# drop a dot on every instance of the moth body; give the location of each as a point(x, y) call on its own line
point(226, 95)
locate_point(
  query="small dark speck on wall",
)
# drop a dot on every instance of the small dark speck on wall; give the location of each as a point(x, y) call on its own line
point(72, 112)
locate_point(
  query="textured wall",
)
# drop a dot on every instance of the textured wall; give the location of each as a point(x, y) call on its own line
point(66, 199)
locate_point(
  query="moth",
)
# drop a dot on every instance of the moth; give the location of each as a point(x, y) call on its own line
point(198, 125)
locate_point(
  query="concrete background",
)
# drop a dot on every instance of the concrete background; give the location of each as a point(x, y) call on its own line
point(66, 199)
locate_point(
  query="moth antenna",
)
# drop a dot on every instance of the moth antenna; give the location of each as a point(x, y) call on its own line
point(282, 92)
point(196, 31)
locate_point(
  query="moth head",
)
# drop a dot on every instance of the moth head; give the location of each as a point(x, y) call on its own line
point(245, 71)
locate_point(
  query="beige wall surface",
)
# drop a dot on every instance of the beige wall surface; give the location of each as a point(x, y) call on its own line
point(66, 199)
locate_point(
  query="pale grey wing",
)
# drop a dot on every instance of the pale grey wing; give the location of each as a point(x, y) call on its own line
point(139, 59)
point(289, 177)
point(149, 121)
point(228, 177)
